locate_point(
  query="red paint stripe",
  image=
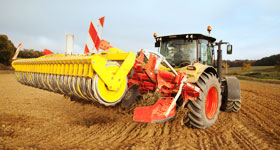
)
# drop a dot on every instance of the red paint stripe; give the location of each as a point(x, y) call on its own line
point(86, 49)
point(94, 36)
point(102, 21)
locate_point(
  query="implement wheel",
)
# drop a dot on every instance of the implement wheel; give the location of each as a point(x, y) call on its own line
point(204, 111)
point(101, 91)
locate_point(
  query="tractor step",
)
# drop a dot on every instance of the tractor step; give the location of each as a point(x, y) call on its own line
point(155, 113)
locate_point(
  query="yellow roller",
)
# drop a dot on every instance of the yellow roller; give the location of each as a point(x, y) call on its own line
point(99, 77)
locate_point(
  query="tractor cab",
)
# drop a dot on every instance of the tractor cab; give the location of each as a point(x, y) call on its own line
point(185, 49)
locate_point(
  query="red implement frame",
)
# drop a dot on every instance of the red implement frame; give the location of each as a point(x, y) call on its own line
point(144, 75)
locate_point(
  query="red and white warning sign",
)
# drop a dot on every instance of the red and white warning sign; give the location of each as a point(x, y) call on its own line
point(17, 51)
point(94, 36)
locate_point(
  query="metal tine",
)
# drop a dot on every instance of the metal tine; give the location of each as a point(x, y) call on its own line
point(80, 89)
point(20, 77)
point(70, 78)
point(42, 81)
point(23, 79)
point(67, 79)
point(60, 84)
point(51, 76)
point(29, 78)
point(87, 85)
point(81, 84)
point(74, 80)
point(85, 81)
point(32, 79)
point(43, 75)
point(26, 75)
point(83, 88)
point(89, 82)
point(69, 85)
point(36, 80)
point(47, 76)
point(58, 79)
point(49, 80)
point(26, 79)
point(89, 89)
point(94, 85)
point(58, 90)
point(75, 91)
point(17, 77)
point(54, 84)
point(45, 81)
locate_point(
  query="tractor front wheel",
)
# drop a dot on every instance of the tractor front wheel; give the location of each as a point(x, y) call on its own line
point(204, 111)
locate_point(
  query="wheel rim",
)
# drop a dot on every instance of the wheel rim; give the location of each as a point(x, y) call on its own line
point(211, 102)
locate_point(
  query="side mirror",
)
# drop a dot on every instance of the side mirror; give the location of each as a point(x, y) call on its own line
point(229, 49)
point(157, 44)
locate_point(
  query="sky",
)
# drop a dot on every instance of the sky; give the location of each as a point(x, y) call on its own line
point(251, 26)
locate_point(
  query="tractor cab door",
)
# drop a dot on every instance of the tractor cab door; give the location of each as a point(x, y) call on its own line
point(205, 52)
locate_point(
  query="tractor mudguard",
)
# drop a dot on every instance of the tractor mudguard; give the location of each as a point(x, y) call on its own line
point(194, 74)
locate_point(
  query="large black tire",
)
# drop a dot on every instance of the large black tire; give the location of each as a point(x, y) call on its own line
point(204, 111)
point(231, 101)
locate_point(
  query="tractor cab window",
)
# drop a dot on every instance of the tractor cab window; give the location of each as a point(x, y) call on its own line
point(210, 49)
point(179, 52)
point(205, 53)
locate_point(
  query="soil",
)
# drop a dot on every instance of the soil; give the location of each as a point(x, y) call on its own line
point(32, 118)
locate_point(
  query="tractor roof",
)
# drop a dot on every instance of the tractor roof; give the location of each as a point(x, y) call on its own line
point(190, 35)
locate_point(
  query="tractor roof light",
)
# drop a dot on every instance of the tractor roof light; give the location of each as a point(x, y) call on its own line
point(209, 28)
point(155, 35)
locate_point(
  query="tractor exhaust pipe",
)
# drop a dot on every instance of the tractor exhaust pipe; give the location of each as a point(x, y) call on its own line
point(219, 59)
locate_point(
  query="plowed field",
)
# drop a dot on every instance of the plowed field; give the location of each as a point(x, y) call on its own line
point(31, 118)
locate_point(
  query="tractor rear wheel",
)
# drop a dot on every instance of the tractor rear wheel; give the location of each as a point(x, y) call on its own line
point(204, 111)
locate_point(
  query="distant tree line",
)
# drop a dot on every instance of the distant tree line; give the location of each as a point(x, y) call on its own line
point(7, 50)
point(238, 63)
point(29, 53)
point(266, 61)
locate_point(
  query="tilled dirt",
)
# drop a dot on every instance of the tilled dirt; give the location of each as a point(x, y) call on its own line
point(32, 118)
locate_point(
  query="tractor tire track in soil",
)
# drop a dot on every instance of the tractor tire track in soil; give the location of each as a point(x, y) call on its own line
point(32, 118)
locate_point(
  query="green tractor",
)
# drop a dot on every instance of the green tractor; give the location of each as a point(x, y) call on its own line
point(195, 53)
